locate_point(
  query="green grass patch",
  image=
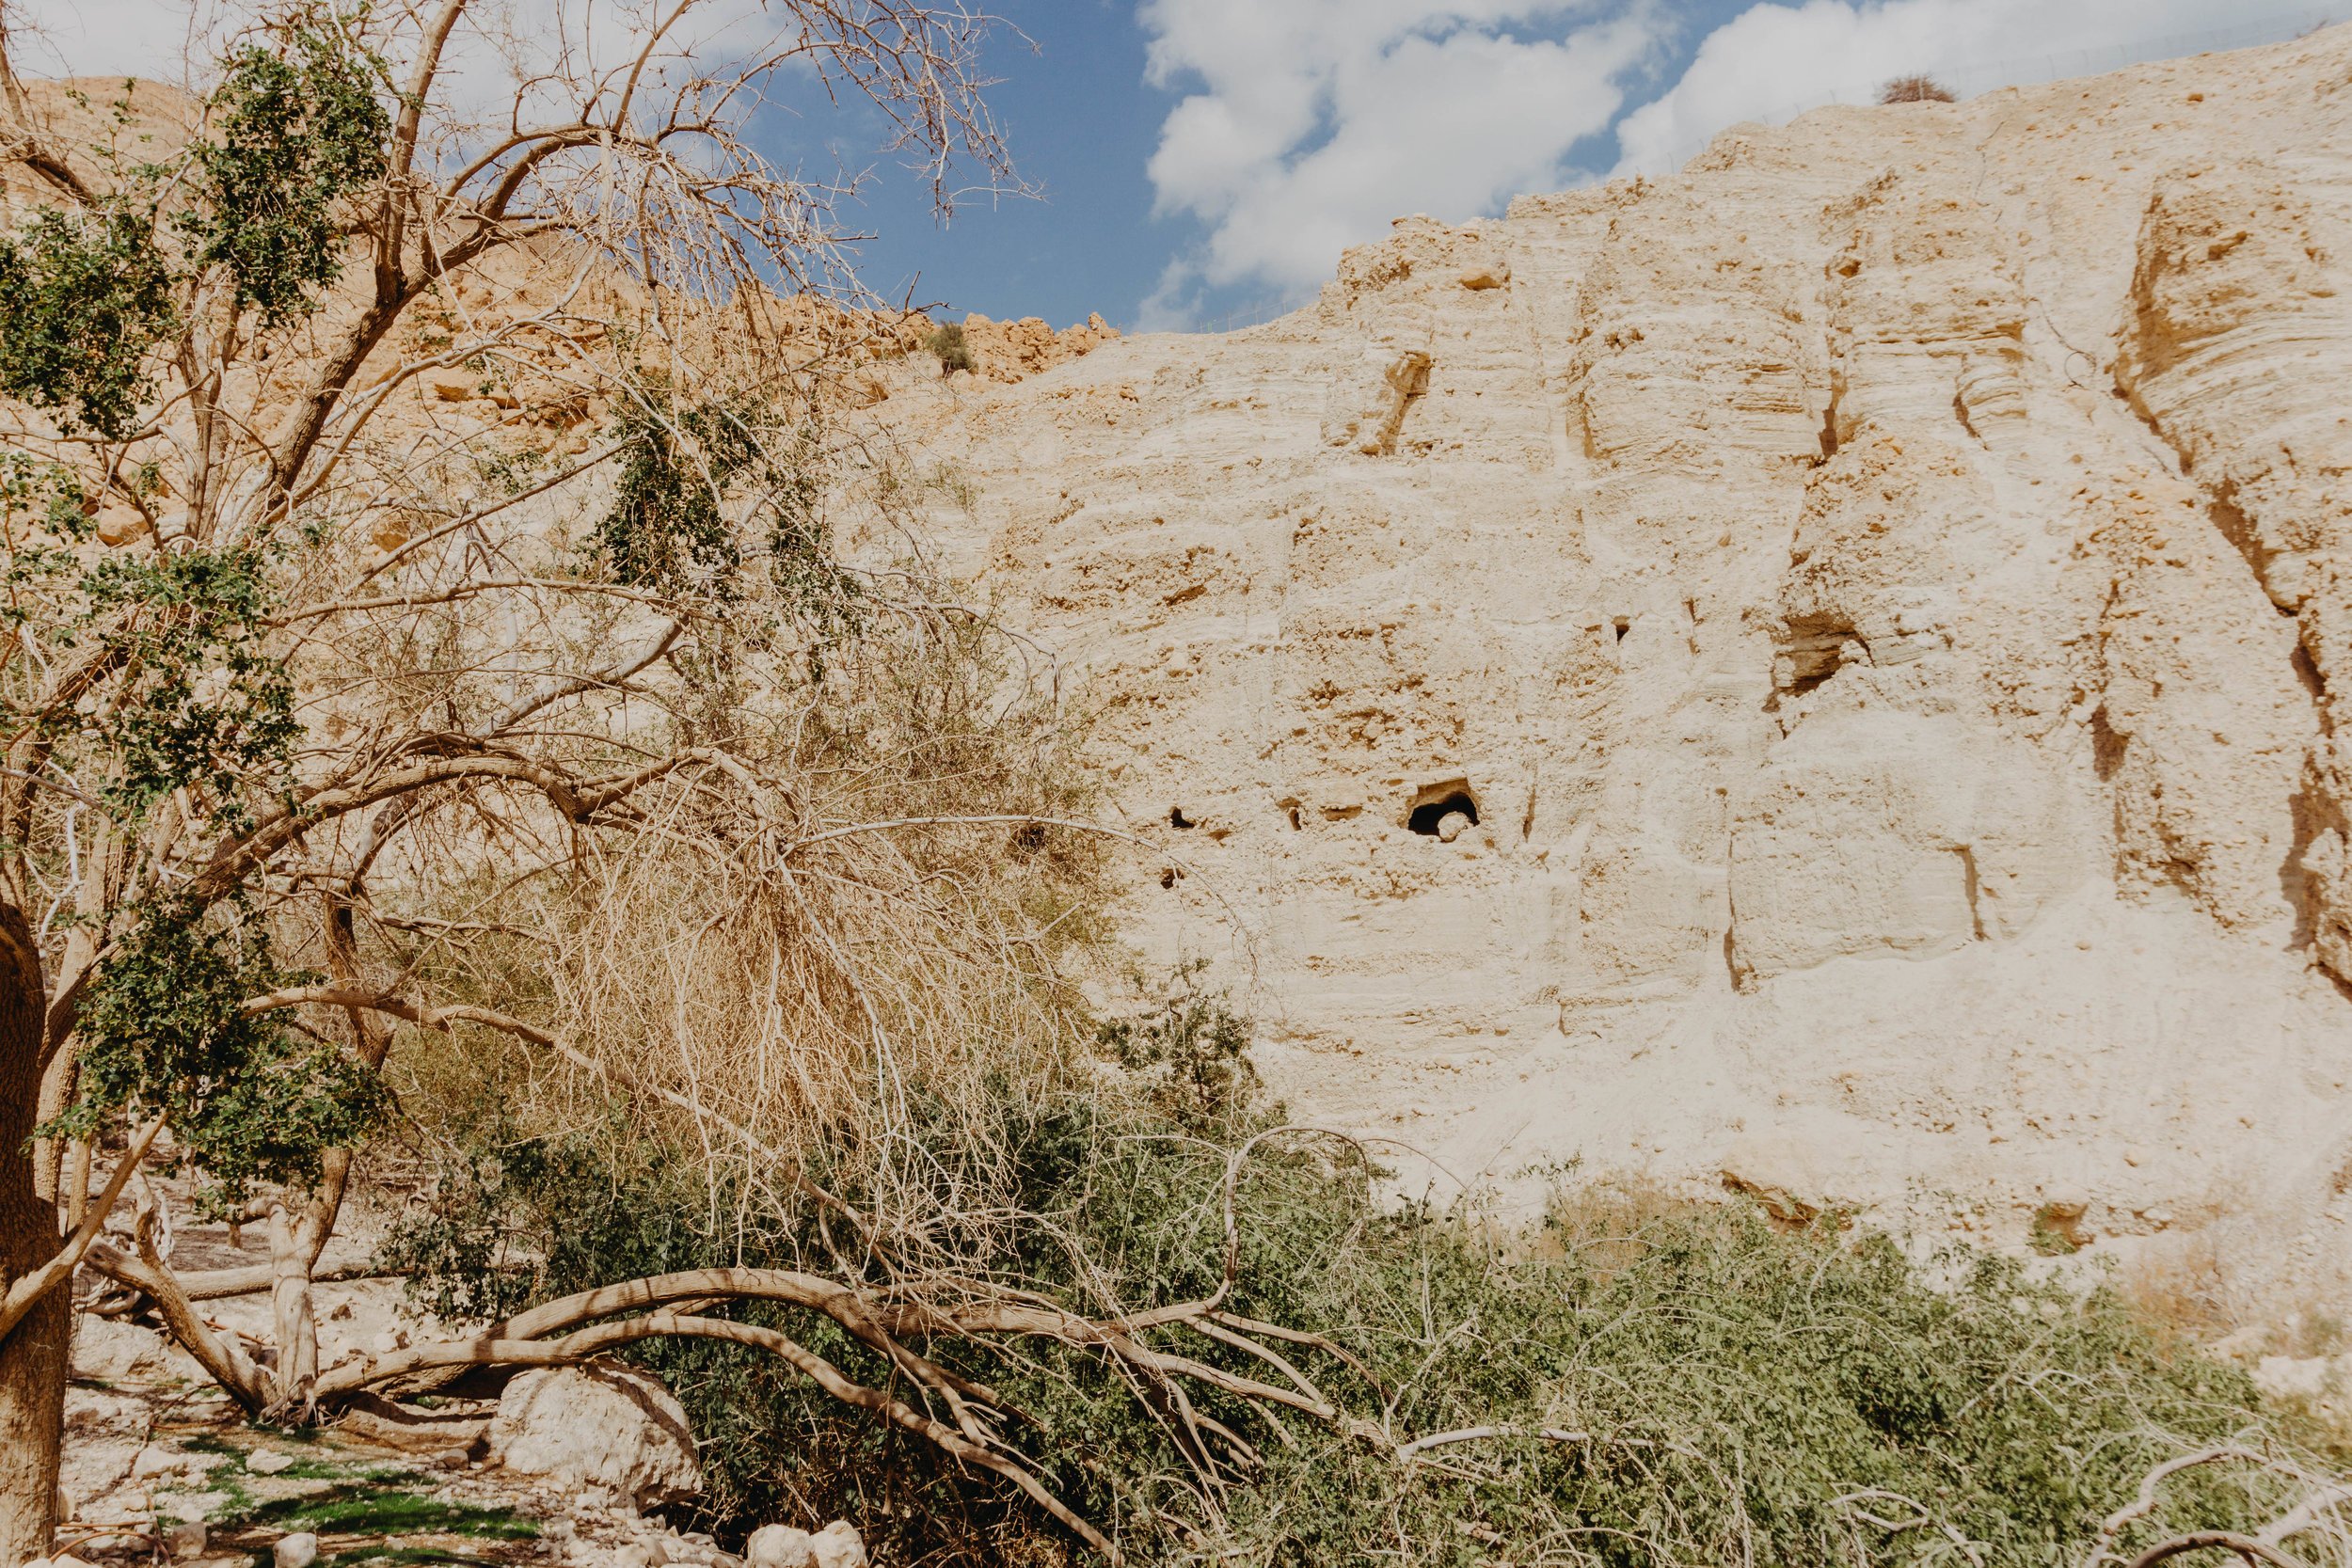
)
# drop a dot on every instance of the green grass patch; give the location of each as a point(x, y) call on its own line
point(347, 1469)
point(360, 1508)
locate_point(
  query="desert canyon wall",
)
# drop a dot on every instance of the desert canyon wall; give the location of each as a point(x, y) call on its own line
point(1885, 595)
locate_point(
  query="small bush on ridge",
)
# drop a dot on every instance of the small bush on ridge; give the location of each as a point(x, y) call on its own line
point(948, 343)
point(1915, 90)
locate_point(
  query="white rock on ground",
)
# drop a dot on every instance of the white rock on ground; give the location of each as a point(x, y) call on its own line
point(112, 1352)
point(298, 1550)
point(597, 1426)
point(838, 1546)
point(268, 1462)
point(779, 1546)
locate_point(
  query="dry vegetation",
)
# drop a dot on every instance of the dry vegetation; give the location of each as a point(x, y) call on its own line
point(1915, 89)
point(441, 725)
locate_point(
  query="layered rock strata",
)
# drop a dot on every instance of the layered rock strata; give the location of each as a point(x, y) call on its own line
point(1884, 596)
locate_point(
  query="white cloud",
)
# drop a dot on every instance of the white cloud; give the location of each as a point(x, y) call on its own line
point(156, 40)
point(1775, 60)
point(508, 60)
point(1312, 122)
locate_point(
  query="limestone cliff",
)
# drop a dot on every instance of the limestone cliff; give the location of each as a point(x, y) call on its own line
point(1885, 595)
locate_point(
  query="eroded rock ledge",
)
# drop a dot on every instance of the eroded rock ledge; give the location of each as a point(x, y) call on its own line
point(1883, 596)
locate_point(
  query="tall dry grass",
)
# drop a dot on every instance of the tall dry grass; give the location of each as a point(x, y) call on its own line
point(828, 963)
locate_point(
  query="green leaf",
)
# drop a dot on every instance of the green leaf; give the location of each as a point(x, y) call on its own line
point(82, 300)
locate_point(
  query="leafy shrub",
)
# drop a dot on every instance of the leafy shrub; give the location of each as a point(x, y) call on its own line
point(300, 129)
point(82, 298)
point(1915, 89)
point(248, 1100)
point(948, 343)
point(688, 463)
point(1643, 1381)
point(1195, 1048)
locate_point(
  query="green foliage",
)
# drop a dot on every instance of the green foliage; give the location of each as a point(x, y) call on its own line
point(362, 1508)
point(948, 343)
point(82, 299)
point(482, 1253)
point(1741, 1391)
point(207, 704)
point(688, 466)
point(84, 295)
point(162, 1033)
point(1742, 1394)
point(42, 520)
point(196, 697)
point(1195, 1050)
point(299, 129)
point(667, 530)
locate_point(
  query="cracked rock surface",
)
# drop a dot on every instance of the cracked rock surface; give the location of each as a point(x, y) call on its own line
point(1888, 592)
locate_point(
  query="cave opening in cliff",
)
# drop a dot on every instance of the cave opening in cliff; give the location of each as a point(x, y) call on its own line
point(1444, 810)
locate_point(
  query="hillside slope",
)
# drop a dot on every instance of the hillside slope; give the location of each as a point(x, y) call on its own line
point(1886, 593)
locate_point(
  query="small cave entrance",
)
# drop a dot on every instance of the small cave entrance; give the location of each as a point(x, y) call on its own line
point(1812, 649)
point(1435, 805)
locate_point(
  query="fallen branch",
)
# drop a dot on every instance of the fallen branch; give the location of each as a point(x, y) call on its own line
point(2245, 1547)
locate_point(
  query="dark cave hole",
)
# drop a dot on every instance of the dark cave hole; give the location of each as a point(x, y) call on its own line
point(1427, 815)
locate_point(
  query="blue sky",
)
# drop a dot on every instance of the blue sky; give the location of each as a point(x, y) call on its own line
point(1141, 228)
point(1199, 161)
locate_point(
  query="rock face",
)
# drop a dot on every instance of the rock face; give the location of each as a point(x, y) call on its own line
point(608, 1427)
point(1880, 603)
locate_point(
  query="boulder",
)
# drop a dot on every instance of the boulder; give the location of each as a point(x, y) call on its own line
point(779, 1546)
point(154, 1461)
point(298, 1550)
point(112, 1352)
point(838, 1546)
point(610, 1427)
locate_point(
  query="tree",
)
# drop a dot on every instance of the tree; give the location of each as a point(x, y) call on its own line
point(323, 724)
point(215, 344)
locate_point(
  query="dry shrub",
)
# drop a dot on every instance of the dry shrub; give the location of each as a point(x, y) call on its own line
point(793, 996)
point(2185, 1289)
point(1915, 90)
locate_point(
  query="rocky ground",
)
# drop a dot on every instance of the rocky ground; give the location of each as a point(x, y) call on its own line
point(571, 1467)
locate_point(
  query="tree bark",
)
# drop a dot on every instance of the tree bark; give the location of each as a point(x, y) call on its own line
point(292, 1243)
point(33, 1357)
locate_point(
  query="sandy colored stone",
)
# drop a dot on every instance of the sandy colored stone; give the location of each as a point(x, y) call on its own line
point(779, 1546)
point(1888, 591)
point(601, 1426)
point(838, 1546)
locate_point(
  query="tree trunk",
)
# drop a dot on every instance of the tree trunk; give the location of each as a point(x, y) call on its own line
point(292, 1248)
point(33, 1358)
